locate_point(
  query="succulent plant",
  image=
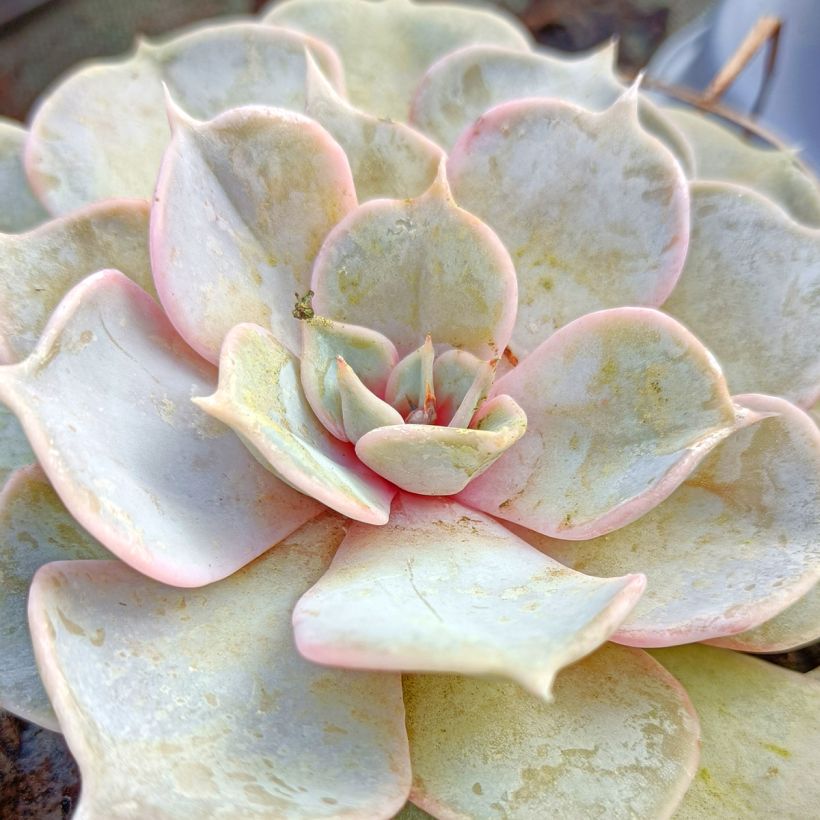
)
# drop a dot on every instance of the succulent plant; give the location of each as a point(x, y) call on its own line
point(379, 436)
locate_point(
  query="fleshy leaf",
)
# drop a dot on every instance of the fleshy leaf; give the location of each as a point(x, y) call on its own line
point(442, 588)
point(36, 528)
point(105, 402)
point(434, 460)
point(747, 260)
point(179, 704)
point(720, 154)
point(619, 741)
point(543, 175)
point(409, 268)
point(362, 411)
point(388, 159)
point(100, 134)
point(386, 47)
point(38, 268)
point(454, 374)
point(621, 405)
point(260, 396)
point(264, 187)
point(465, 84)
point(760, 725)
point(734, 545)
point(14, 447)
point(793, 628)
point(19, 208)
point(371, 355)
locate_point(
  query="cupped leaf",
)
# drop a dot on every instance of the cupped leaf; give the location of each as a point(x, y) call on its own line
point(101, 132)
point(620, 741)
point(793, 628)
point(264, 187)
point(180, 704)
point(747, 260)
point(38, 268)
point(454, 374)
point(433, 460)
point(14, 447)
point(544, 174)
point(621, 406)
point(442, 588)
point(362, 411)
point(417, 267)
point(105, 400)
point(19, 208)
point(36, 529)
point(387, 46)
point(371, 355)
point(734, 545)
point(720, 154)
point(760, 725)
point(466, 83)
point(388, 159)
point(260, 396)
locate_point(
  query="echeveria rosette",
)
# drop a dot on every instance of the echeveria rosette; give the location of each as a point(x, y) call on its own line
point(455, 347)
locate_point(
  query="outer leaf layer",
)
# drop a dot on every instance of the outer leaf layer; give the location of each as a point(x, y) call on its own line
point(179, 704)
point(14, 447)
point(621, 405)
point(105, 400)
point(19, 209)
point(441, 588)
point(619, 741)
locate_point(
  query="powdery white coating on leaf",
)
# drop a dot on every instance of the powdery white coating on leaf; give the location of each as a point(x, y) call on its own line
point(19, 208)
point(102, 131)
point(442, 588)
point(417, 267)
point(105, 400)
point(454, 374)
point(14, 447)
point(621, 406)
point(620, 740)
point(750, 290)
point(38, 268)
point(388, 159)
point(242, 205)
point(793, 628)
point(371, 355)
point(720, 154)
point(362, 411)
point(36, 529)
point(760, 725)
point(387, 46)
point(463, 85)
point(545, 176)
point(435, 460)
point(736, 544)
point(260, 396)
point(195, 704)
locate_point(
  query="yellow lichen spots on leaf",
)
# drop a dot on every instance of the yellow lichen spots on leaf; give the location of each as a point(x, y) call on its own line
point(71, 626)
point(778, 750)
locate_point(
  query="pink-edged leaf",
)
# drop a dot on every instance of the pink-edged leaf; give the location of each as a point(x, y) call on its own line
point(619, 740)
point(386, 47)
point(418, 267)
point(105, 400)
point(371, 355)
point(265, 187)
point(760, 725)
point(260, 397)
point(733, 546)
point(544, 175)
point(388, 159)
point(434, 460)
point(19, 208)
point(39, 267)
point(621, 405)
point(36, 529)
point(750, 290)
point(101, 132)
point(195, 704)
point(443, 588)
